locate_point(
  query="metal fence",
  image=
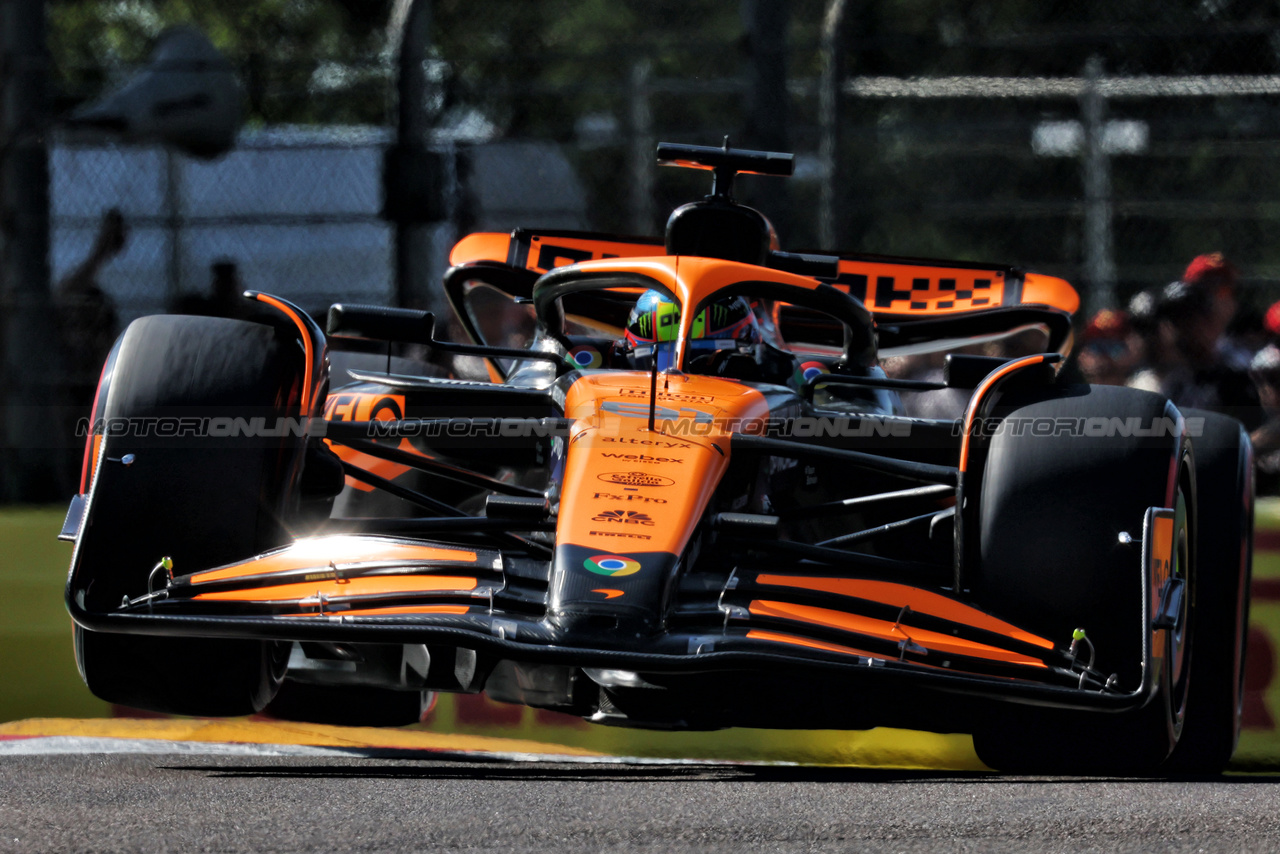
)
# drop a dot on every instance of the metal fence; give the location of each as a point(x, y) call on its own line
point(295, 209)
point(1111, 180)
point(1044, 150)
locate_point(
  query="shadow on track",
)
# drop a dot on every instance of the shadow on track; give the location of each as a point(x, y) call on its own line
point(412, 765)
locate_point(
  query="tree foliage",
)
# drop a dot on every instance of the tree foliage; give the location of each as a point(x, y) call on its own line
point(290, 53)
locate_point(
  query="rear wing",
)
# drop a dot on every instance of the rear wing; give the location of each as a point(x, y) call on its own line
point(913, 300)
point(543, 251)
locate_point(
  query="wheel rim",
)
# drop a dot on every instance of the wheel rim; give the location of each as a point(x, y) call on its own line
point(1178, 640)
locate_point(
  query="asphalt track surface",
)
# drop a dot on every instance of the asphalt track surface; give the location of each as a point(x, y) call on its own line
point(201, 797)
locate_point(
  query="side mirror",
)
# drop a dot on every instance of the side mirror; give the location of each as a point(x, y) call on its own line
point(381, 323)
point(187, 96)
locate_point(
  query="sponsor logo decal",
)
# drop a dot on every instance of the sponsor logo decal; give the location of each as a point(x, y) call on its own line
point(642, 458)
point(623, 534)
point(628, 440)
point(808, 370)
point(623, 517)
point(668, 395)
point(585, 356)
point(637, 409)
point(643, 499)
point(609, 593)
point(364, 407)
point(612, 565)
point(635, 478)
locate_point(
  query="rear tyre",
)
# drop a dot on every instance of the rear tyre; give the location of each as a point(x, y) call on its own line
point(1224, 565)
point(1050, 558)
point(349, 705)
point(201, 501)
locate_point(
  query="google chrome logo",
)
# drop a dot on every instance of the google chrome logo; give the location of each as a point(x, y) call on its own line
point(612, 565)
point(585, 356)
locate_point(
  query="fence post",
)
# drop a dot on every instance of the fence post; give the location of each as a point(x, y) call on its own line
point(173, 225)
point(1100, 268)
point(33, 466)
point(832, 181)
point(412, 174)
point(642, 149)
point(767, 107)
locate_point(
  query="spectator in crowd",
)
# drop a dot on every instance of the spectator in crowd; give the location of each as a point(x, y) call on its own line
point(1191, 367)
point(1265, 372)
point(1248, 333)
point(1220, 279)
point(225, 294)
point(86, 315)
point(1148, 352)
point(1106, 356)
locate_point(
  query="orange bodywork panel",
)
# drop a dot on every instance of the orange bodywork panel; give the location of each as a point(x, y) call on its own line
point(976, 399)
point(932, 641)
point(780, 637)
point(695, 280)
point(324, 562)
point(324, 553)
point(631, 490)
point(1050, 290)
point(373, 586)
point(904, 596)
point(407, 610)
point(307, 403)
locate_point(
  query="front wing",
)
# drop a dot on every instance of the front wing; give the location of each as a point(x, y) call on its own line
point(370, 588)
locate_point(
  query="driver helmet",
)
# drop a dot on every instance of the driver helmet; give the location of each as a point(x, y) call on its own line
point(654, 327)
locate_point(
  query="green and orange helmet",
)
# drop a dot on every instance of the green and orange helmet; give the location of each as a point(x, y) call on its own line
point(654, 327)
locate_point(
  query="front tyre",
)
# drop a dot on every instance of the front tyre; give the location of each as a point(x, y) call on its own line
point(1224, 561)
point(1054, 510)
point(202, 500)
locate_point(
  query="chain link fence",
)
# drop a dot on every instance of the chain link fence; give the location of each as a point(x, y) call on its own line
point(1076, 150)
point(295, 209)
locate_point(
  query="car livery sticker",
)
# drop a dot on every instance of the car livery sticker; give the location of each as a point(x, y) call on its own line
point(808, 370)
point(635, 478)
point(366, 406)
point(585, 356)
point(624, 517)
point(360, 406)
point(611, 565)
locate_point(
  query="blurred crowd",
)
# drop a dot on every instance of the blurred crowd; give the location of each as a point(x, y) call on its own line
point(1195, 342)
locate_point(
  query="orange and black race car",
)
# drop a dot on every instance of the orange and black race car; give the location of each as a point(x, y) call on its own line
point(670, 484)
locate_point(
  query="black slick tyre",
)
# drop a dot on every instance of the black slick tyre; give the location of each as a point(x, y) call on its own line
point(1224, 561)
point(199, 499)
point(1059, 522)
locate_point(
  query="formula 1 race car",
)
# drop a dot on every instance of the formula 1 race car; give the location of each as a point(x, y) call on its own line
point(670, 484)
